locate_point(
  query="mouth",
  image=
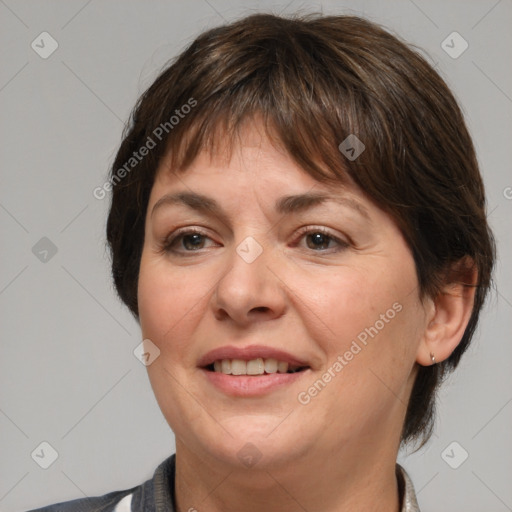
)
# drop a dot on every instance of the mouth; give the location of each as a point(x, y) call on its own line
point(254, 367)
point(251, 371)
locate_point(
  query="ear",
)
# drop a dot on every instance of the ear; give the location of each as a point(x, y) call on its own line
point(448, 313)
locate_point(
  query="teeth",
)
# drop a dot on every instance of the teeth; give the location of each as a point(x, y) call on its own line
point(225, 367)
point(257, 366)
point(271, 365)
point(238, 367)
point(282, 367)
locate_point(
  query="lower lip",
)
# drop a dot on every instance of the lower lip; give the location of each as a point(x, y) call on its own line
point(249, 385)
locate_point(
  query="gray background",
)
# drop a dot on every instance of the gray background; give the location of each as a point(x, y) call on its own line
point(68, 375)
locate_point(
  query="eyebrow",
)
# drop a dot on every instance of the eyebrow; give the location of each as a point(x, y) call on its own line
point(285, 205)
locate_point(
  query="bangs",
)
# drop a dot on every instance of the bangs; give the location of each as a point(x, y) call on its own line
point(298, 89)
point(218, 136)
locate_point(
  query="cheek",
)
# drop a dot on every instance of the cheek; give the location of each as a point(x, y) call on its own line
point(377, 352)
point(152, 301)
point(162, 299)
point(346, 302)
point(371, 314)
point(171, 302)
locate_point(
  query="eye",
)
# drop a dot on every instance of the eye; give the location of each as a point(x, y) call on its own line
point(191, 240)
point(319, 238)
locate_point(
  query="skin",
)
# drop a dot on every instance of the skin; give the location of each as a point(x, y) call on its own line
point(310, 298)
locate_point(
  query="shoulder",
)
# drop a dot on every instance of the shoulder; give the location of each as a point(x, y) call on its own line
point(96, 504)
point(159, 489)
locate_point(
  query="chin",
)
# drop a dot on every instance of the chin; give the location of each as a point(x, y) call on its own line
point(255, 443)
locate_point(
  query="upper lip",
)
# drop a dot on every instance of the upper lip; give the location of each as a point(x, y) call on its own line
point(248, 353)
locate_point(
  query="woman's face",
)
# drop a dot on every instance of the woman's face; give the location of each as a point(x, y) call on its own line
point(328, 286)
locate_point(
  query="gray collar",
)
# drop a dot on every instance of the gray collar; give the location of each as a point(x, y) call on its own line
point(406, 488)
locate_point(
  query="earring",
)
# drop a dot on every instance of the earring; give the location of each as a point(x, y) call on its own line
point(433, 358)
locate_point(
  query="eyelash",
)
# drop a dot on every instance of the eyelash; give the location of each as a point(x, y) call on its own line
point(180, 234)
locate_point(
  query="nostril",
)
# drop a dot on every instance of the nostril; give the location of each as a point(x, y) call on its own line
point(261, 309)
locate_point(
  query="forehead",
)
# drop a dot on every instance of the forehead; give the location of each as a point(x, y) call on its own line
point(274, 179)
point(253, 156)
point(256, 166)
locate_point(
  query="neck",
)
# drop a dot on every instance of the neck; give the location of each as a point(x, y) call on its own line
point(367, 482)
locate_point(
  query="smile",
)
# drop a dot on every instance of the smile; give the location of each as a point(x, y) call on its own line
point(251, 371)
point(258, 366)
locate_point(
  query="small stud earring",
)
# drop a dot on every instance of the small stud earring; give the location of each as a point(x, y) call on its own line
point(433, 358)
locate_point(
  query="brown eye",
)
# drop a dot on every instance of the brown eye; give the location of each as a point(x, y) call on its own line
point(319, 239)
point(185, 242)
point(193, 241)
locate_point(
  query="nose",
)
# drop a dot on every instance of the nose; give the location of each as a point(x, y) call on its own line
point(250, 289)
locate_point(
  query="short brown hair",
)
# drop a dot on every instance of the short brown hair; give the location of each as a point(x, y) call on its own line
point(315, 80)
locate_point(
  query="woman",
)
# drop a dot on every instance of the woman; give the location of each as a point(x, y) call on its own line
point(298, 224)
